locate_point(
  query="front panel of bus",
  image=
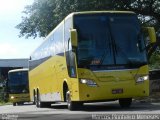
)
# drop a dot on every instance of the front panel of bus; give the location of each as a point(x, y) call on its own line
point(111, 57)
point(18, 88)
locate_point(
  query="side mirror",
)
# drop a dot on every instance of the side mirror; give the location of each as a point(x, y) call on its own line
point(73, 35)
point(152, 34)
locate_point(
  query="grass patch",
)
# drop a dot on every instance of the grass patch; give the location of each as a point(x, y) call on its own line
point(154, 97)
point(4, 103)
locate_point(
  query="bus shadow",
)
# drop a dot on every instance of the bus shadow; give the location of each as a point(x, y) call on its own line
point(58, 106)
point(98, 107)
point(25, 104)
point(116, 107)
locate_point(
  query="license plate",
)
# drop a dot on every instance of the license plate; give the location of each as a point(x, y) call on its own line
point(117, 91)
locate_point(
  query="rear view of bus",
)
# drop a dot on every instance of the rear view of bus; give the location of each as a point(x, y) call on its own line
point(17, 86)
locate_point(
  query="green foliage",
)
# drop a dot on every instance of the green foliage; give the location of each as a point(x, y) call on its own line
point(143, 8)
point(155, 60)
point(39, 19)
point(1, 94)
point(43, 15)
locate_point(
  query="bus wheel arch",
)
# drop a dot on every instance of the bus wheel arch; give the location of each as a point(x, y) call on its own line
point(34, 96)
point(65, 89)
point(72, 105)
point(37, 98)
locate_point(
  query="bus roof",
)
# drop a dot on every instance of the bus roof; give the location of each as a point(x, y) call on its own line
point(95, 12)
point(18, 70)
point(90, 12)
point(76, 13)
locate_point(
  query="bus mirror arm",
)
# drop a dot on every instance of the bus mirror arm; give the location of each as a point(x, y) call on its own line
point(73, 36)
point(152, 34)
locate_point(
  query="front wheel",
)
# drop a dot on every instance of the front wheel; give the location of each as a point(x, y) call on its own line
point(125, 102)
point(72, 105)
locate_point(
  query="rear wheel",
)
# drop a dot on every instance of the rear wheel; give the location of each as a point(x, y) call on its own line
point(20, 103)
point(40, 104)
point(14, 104)
point(34, 97)
point(125, 102)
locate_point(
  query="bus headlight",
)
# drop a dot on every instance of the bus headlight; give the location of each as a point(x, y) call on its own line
point(12, 97)
point(88, 82)
point(142, 79)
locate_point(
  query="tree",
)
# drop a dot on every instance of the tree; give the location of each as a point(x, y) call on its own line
point(149, 14)
point(43, 15)
point(39, 19)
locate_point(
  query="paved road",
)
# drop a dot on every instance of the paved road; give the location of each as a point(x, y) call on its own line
point(106, 110)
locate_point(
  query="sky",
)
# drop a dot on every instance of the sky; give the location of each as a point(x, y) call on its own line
point(11, 46)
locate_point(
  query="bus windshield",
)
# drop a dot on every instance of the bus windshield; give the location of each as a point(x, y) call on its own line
point(18, 82)
point(109, 41)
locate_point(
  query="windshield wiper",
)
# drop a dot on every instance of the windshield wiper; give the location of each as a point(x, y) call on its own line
point(111, 47)
point(84, 62)
point(136, 62)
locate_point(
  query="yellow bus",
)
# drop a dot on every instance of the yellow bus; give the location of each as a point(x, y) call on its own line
point(18, 86)
point(90, 57)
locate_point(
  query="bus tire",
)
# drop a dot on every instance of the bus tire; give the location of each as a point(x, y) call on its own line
point(20, 103)
point(125, 102)
point(34, 98)
point(38, 101)
point(72, 105)
point(14, 104)
point(40, 104)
